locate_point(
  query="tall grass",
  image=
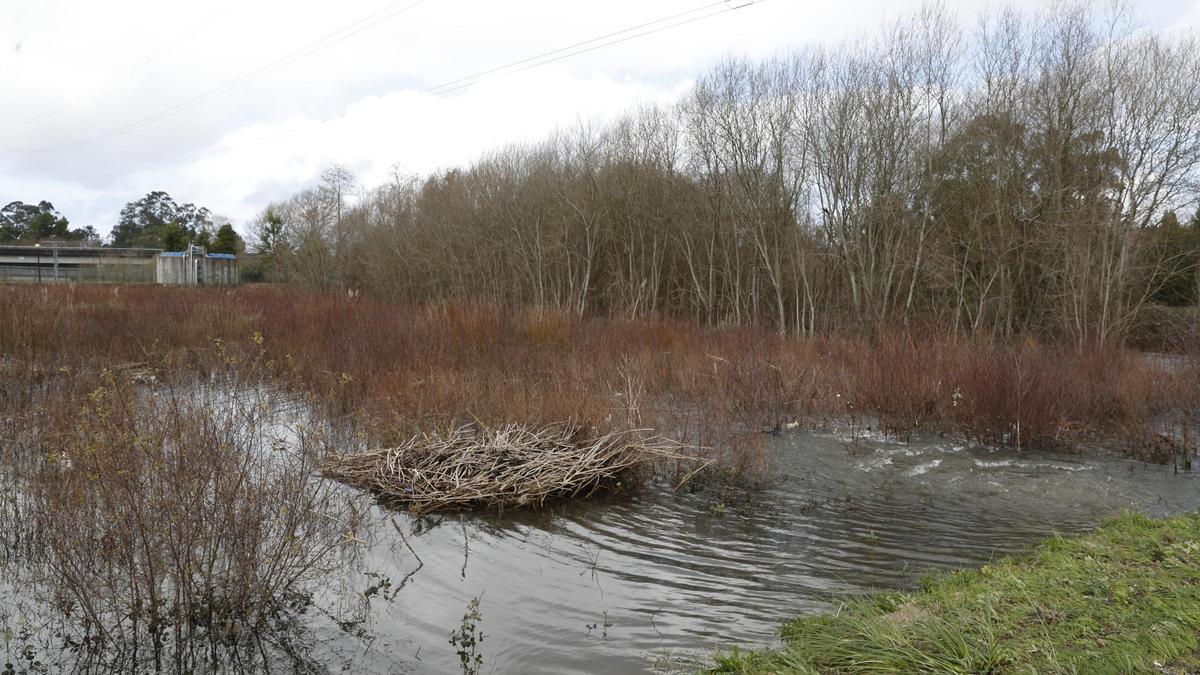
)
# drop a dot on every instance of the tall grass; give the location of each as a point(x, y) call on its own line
point(401, 368)
point(172, 529)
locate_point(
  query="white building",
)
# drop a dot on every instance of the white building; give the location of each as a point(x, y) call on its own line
point(194, 267)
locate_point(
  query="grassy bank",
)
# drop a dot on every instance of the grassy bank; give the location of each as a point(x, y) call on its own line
point(1123, 599)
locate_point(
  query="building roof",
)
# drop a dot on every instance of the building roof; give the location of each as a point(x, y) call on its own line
point(215, 256)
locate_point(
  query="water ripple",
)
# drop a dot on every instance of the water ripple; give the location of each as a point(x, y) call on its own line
point(603, 585)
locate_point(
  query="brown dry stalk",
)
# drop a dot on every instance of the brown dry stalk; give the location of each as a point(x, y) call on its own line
point(499, 467)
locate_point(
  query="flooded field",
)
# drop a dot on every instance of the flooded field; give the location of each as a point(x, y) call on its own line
point(630, 584)
point(652, 579)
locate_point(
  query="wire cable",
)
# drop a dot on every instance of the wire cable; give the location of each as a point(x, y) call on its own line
point(314, 47)
point(448, 86)
point(544, 58)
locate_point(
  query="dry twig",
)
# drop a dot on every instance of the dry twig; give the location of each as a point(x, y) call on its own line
point(502, 467)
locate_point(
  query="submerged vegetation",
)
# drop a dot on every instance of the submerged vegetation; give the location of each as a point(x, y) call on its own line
point(165, 530)
point(932, 231)
point(1125, 598)
point(153, 521)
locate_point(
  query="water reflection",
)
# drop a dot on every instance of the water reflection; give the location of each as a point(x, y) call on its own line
point(609, 585)
point(614, 584)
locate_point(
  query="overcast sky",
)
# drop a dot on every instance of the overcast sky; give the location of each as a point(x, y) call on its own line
point(231, 104)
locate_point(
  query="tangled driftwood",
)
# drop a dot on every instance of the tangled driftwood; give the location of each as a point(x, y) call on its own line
point(502, 467)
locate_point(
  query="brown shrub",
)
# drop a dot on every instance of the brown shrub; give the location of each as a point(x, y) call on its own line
point(169, 518)
point(403, 368)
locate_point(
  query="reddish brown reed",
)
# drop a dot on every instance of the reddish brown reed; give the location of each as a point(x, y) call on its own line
point(405, 368)
point(170, 522)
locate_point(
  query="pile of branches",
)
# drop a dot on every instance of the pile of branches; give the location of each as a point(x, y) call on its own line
point(501, 467)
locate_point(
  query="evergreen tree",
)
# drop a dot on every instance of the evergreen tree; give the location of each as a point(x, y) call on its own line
point(146, 222)
point(226, 240)
point(173, 237)
point(26, 222)
point(1175, 280)
point(203, 239)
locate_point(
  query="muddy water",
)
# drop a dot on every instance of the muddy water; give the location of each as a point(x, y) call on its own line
point(631, 584)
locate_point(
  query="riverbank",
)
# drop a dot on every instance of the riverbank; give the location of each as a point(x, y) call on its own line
point(1124, 598)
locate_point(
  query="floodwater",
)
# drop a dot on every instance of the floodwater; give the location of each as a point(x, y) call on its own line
point(656, 580)
point(634, 583)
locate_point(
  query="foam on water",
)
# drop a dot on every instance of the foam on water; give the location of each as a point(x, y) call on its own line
point(675, 571)
point(922, 469)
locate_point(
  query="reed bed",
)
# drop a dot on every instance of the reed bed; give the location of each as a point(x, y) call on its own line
point(398, 369)
point(164, 522)
point(157, 524)
point(503, 467)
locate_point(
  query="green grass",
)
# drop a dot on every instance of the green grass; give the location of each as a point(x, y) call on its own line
point(1123, 599)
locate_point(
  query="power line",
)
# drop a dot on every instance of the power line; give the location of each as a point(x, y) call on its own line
point(469, 78)
point(544, 58)
point(601, 46)
point(311, 48)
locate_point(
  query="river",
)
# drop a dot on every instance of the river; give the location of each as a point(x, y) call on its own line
point(656, 579)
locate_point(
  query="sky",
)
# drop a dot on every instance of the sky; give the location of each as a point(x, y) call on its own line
point(233, 104)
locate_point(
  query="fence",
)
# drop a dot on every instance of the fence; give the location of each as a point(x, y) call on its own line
point(49, 264)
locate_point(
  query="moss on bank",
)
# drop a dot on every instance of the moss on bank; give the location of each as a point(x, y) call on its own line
point(1123, 599)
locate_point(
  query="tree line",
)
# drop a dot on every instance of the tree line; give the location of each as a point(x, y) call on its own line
point(157, 221)
point(154, 221)
point(21, 222)
point(1022, 176)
